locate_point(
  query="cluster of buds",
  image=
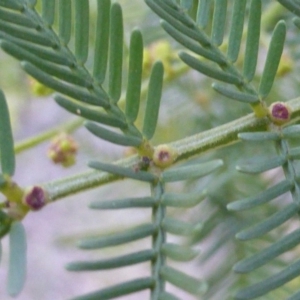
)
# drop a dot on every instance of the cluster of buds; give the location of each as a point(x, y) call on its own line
point(63, 150)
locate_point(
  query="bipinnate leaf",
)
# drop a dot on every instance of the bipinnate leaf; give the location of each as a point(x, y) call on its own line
point(101, 40)
point(81, 28)
point(119, 289)
point(153, 100)
point(64, 21)
point(183, 281)
point(125, 237)
point(219, 18)
point(123, 172)
point(6, 139)
point(143, 202)
point(115, 52)
point(112, 263)
point(191, 171)
point(236, 29)
point(252, 42)
point(17, 259)
point(133, 91)
point(273, 59)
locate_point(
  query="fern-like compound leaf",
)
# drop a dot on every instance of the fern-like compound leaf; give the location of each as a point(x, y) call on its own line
point(6, 139)
point(133, 91)
point(119, 289)
point(182, 200)
point(127, 236)
point(252, 43)
point(17, 259)
point(112, 263)
point(91, 113)
point(183, 281)
point(124, 172)
point(115, 52)
point(191, 171)
point(219, 18)
point(143, 202)
point(236, 30)
point(234, 94)
point(101, 40)
point(273, 59)
point(179, 253)
point(64, 21)
point(153, 100)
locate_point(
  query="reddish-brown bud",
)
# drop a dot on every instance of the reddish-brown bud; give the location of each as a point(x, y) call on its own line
point(35, 198)
point(280, 113)
point(164, 156)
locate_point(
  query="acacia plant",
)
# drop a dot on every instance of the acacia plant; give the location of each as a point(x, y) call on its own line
point(114, 82)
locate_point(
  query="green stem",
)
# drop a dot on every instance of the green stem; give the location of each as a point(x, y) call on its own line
point(31, 142)
point(158, 240)
point(194, 145)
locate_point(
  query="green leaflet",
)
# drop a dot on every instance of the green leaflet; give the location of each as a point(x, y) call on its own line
point(291, 5)
point(17, 259)
point(5, 223)
point(219, 18)
point(209, 70)
point(48, 10)
point(252, 43)
point(191, 171)
point(89, 112)
point(234, 94)
point(179, 253)
point(153, 100)
point(183, 281)
point(236, 30)
point(64, 21)
point(259, 136)
point(203, 13)
point(6, 139)
point(145, 202)
point(292, 131)
point(72, 91)
point(119, 289)
point(16, 18)
point(62, 73)
point(264, 286)
point(261, 164)
point(116, 262)
point(190, 44)
point(113, 137)
point(101, 40)
point(186, 4)
point(134, 83)
point(264, 256)
point(127, 236)
point(294, 153)
point(264, 197)
point(273, 59)
point(12, 4)
point(115, 52)
point(184, 200)
point(178, 227)
point(81, 28)
point(269, 224)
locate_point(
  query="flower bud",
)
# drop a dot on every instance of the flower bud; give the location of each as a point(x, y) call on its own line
point(280, 113)
point(164, 156)
point(35, 198)
point(63, 150)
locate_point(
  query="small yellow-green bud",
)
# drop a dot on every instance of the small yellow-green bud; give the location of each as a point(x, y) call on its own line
point(164, 156)
point(38, 88)
point(280, 113)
